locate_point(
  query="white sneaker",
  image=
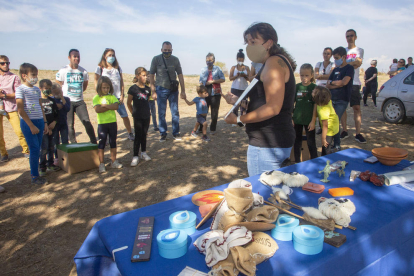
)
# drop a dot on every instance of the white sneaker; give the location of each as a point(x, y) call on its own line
point(102, 168)
point(116, 165)
point(233, 125)
point(145, 156)
point(135, 161)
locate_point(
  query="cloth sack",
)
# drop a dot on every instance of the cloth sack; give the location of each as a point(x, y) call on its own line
point(263, 214)
point(237, 201)
point(217, 243)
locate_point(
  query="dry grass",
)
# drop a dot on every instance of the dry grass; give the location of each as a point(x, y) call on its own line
point(41, 228)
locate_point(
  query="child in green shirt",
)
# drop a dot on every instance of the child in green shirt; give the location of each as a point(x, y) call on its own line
point(304, 111)
point(105, 105)
point(328, 119)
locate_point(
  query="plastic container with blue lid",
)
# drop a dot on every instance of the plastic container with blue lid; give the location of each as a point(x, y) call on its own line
point(184, 220)
point(308, 239)
point(172, 243)
point(284, 227)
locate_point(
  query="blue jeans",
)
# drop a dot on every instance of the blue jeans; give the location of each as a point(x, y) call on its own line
point(260, 160)
point(153, 113)
point(340, 107)
point(34, 142)
point(164, 94)
point(64, 136)
point(48, 148)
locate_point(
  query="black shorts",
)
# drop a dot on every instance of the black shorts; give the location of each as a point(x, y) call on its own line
point(236, 92)
point(201, 119)
point(355, 95)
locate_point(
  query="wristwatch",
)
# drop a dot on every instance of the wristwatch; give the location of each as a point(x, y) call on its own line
point(239, 123)
point(331, 82)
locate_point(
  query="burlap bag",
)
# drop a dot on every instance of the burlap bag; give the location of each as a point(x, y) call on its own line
point(262, 247)
point(237, 202)
point(243, 261)
point(263, 214)
point(224, 268)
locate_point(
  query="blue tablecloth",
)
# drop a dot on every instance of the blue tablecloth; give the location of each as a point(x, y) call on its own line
point(383, 243)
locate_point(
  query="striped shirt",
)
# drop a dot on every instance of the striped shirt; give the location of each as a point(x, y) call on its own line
point(30, 96)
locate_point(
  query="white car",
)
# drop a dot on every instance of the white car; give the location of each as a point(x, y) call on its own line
point(396, 97)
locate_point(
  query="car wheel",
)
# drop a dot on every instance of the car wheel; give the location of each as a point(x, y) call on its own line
point(393, 111)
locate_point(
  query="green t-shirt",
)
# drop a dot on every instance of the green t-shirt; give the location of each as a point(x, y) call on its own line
point(107, 116)
point(327, 112)
point(304, 104)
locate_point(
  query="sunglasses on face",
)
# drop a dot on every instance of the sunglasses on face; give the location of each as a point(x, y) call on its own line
point(2, 63)
point(350, 36)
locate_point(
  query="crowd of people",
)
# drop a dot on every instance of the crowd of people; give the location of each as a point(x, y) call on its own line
point(275, 113)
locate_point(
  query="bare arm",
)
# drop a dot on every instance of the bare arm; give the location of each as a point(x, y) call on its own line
point(219, 81)
point(231, 77)
point(356, 63)
point(324, 132)
point(23, 114)
point(188, 102)
point(320, 76)
point(96, 80)
point(313, 121)
point(274, 79)
point(7, 96)
point(100, 108)
point(338, 83)
point(60, 82)
point(113, 106)
point(129, 103)
point(122, 86)
point(252, 73)
point(182, 84)
point(152, 86)
point(370, 79)
point(247, 77)
point(85, 85)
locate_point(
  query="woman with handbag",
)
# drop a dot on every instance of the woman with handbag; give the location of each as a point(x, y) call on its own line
point(211, 77)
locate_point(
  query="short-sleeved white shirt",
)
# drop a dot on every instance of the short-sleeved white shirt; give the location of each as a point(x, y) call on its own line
point(328, 70)
point(72, 82)
point(115, 76)
point(352, 55)
point(30, 97)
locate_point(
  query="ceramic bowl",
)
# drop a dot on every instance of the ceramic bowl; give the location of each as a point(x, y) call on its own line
point(390, 156)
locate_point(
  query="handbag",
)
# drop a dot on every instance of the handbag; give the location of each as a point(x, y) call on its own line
point(173, 83)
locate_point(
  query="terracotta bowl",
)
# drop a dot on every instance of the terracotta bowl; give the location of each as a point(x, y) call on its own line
point(388, 152)
point(389, 162)
point(390, 156)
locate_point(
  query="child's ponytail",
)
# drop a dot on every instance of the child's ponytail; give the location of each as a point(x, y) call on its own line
point(307, 66)
point(138, 72)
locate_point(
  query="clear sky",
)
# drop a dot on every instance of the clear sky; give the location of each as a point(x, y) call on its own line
point(41, 32)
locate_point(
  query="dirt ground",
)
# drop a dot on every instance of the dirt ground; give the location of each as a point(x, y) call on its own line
point(42, 227)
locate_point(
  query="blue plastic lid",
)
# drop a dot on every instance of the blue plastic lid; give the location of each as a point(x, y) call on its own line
point(286, 223)
point(308, 235)
point(182, 219)
point(172, 238)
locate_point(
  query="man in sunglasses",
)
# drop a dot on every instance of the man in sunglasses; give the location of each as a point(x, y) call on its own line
point(354, 57)
point(74, 81)
point(8, 84)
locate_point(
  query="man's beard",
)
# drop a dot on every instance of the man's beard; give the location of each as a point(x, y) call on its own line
point(4, 71)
